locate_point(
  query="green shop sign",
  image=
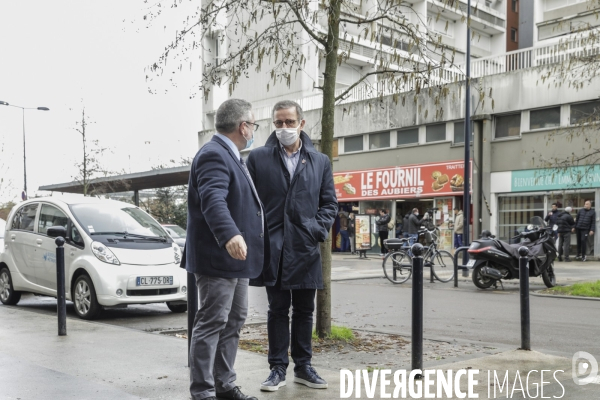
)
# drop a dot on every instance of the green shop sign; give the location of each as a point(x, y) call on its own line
point(555, 179)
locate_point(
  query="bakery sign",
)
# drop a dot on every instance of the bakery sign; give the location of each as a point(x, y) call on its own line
point(409, 181)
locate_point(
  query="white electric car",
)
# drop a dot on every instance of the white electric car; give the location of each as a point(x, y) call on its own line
point(115, 255)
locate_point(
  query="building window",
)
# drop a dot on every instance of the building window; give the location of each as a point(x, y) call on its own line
point(514, 35)
point(353, 143)
point(435, 133)
point(546, 118)
point(334, 148)
point(379, 140)
point(508, 125)
point(515, 213)
point(459, 132)
point(409, 136)
point(585, 112)
point(515, 6)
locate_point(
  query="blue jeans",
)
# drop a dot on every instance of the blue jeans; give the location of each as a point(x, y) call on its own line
point(302, 302)
point(458, 237)
point(413, 237)
point(345, 246)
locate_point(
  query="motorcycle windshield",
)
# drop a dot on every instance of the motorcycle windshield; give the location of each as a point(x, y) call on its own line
point(537, 222)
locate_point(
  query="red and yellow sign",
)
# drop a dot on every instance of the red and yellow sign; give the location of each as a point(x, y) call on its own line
point(410, 181)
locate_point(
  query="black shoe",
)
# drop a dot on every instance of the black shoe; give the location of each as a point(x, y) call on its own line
point(560, 259)
point(234, 394)
point(583, 259)
point(275, 380)
point(307, 375)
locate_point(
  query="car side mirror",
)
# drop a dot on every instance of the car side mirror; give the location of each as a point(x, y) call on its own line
point(56, 231)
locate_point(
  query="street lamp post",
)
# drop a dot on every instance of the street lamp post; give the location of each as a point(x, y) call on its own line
point(4, 103)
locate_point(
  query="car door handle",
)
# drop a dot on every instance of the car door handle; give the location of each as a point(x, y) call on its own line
point(39, 241)
point(13, 237)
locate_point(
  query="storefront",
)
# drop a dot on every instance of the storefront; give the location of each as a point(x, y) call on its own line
point(521, 195)
point(400, 189)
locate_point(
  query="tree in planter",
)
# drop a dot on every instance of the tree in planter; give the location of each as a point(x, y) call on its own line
point(236, 38)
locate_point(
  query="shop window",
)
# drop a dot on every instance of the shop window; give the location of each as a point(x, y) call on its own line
point(435, 133)
point(353, 143)
point(334, 148)
point(546, 118)
point(409, 136)
point(459, 132)
point(508, 125)
point(515, 213)
point(583, 113)
point(379, 140)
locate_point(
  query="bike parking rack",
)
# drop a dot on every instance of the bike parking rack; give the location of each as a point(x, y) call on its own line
point(463, 267)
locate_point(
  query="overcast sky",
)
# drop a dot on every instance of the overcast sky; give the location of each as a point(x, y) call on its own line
point(66, 55)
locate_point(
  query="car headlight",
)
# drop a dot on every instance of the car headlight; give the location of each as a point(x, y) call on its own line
point(103, 253)
point(177, 251)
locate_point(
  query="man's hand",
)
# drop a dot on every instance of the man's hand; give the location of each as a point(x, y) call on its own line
point(591, 233)
point(236, 247)
point(573, 230)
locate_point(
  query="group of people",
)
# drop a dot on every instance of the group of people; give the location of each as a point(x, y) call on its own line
point(256, 223)
point(583, 226)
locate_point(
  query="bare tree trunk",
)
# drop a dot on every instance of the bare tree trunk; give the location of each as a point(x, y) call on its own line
point(323, 326)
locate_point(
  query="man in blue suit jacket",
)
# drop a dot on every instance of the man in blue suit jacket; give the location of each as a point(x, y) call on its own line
point(225, 247)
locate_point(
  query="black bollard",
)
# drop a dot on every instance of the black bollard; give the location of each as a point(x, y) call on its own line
point(60, 286)
point(417, 307)
point(192, 301)
point(524, 292)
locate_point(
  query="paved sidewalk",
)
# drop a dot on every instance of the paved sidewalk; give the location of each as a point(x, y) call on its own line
point(348, 267)
point(100, 361)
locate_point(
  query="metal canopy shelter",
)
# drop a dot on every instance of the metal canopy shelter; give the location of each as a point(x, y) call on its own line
point(122, 183)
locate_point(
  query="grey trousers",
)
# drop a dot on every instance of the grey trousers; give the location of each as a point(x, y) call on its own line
point(222, 313)
point(565, 244)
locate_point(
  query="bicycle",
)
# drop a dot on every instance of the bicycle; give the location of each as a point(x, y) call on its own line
point(399, 269)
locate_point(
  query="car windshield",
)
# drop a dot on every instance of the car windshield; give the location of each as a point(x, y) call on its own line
point(176, 231)
point(111, 219)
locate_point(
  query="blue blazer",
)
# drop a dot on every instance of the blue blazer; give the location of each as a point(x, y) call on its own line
point(222, 204)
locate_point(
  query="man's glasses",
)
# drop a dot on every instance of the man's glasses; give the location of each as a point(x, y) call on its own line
point(251, 123)
point(288, 122)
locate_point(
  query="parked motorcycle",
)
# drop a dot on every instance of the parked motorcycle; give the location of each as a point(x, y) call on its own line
point(493, 260)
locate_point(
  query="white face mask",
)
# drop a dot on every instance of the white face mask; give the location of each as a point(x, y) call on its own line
point(287, 136)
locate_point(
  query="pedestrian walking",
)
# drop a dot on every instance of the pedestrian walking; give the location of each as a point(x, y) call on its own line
point(551, 218)
point(458, 228)
point(345, 242)
point(414, 223)
point(295, 183)
point(382, 228)
point(566, 224)
point(585, 225)
point(352, 232)
point(225, 246)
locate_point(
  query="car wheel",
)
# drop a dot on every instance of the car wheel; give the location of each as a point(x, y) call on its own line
point(177, 308)
point(84, 298)
point(8, 295)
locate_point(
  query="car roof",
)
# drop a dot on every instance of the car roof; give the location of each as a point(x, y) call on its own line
point(71, 200)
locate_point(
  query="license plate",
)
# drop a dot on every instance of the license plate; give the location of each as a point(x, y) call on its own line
point(153, 280)
point(471, 263)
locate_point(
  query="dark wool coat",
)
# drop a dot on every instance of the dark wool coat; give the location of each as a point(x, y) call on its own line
point(299, 211)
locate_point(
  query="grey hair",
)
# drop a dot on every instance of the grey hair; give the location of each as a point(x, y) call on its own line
point(231, 114)
point(285, 104)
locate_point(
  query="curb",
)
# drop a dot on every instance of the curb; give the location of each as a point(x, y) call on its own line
point(557, 296)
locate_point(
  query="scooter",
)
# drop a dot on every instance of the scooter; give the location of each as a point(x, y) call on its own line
point(493, 260)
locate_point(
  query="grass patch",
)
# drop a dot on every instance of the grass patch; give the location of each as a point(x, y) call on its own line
point(586, 289)
point(338, 333)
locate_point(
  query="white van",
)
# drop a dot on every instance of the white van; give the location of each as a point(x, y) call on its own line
point(115, 254)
